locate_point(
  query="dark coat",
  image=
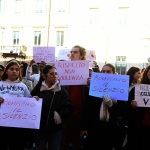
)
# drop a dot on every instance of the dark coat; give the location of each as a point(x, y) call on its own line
point(54, 101)
point(135, 115)
point(91, 113)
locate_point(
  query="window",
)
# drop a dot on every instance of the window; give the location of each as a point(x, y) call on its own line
point(60, 38)
point(40, 6)
point(123, 13)
point(16, 38)
point(94, 16)
point(121, 64)
point(18, 7)
point(61, 6)
point(37, 38)
point(118, 58)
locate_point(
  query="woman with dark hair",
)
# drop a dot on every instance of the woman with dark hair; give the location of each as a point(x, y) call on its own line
point(102, 120)
point(135, 74)
point(23, 66)
point(11, 85)
point(56, 108)
point(108, 68)
point(8, 75)
point(96, 69)
point(138, 118)
point(2, 68)
point(134, 78)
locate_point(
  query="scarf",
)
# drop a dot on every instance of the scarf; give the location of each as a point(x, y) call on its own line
point(104, 113)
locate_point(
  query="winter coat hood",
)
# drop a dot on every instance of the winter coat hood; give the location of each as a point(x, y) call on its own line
point(55, 87)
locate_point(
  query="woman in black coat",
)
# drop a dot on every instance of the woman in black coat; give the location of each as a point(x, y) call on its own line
point(103, 129)
point(56, 107)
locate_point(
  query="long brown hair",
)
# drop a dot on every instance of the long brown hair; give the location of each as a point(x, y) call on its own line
point(144, 78)
point(9, 64)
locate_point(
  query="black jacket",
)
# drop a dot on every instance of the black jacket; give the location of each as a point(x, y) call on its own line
point(91, 113)
point(55, 99)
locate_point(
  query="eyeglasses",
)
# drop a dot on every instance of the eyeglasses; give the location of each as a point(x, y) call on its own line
point(75, 52)
point(52, 74)
point(14, 69)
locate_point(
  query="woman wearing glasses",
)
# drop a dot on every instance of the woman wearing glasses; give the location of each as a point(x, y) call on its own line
point(56, 108)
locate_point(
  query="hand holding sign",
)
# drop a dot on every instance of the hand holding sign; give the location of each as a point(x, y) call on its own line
point(134, 103)
point(107, 101)
point(142, 95)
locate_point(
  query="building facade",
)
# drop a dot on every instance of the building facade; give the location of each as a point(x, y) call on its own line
point(116, 30)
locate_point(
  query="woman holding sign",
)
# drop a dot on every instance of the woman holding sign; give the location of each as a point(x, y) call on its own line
point(11, 85)
point(139, 115)
point(102, 120)
point(56, 108)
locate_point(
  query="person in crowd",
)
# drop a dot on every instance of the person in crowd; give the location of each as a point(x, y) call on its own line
point(11, 85)
point(36, 76)
point(93, 70)
point(95, 65)
point(35, 69)
point(2, 68)
point(138, 118)
point(102, 119)
point(56, 108)
point(134, 76)
point(42, 65)
point(23, 67)
point(90, 71)
point(96, 69)
point(71, 127)
point(27, 82)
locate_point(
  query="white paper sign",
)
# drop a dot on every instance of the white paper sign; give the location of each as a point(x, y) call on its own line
point(90, 55)
point(22, 112)
point(46, 54)
point(73, 72)
point(64, 54)
point(117, 86)
point(142, 95)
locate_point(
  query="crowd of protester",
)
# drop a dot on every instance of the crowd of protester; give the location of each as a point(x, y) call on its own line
point(71, 119)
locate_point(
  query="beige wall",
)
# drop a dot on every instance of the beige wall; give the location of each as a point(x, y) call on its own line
point(109, 36)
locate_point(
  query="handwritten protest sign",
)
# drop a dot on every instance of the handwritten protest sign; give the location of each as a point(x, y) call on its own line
point(64, 54)
point(73, 72)
point(46, 54)
point(142, 95)
point(117, 86)
point(20, 112)
point(90, 55)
